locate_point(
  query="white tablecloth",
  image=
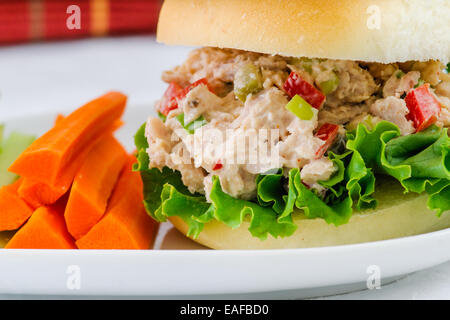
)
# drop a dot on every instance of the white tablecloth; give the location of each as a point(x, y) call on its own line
point(53, 76)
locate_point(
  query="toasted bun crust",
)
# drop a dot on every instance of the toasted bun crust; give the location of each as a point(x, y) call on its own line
point(397, 215)
point(345, 29)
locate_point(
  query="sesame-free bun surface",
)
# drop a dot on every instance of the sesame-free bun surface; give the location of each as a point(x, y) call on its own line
point(398, 215)
point(334, 29)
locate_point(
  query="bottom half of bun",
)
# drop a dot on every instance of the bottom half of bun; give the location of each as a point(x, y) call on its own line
point(397, 215)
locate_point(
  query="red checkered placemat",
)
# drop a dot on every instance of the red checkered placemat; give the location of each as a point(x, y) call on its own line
point(30, 20)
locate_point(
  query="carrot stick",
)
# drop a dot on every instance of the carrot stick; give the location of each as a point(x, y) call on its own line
point(93, 186)
point(45, 229)
point(59, 118)
point(47, 158)
point(40, 193)
point(126, 225)
point(14, 210)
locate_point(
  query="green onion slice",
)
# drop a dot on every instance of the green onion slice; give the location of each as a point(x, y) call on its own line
point(301, 108)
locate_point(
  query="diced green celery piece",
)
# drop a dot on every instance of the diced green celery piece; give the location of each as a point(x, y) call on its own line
point(248, 79)
point(12, 147)
point(162, 117)
point(298, 61)
point(303, 62)
point(192, 126)
point(307, 66)
point(370, 122)
point(295, 60)
point(419, 83)
point(399, 74)
point(330, 85)
point(301, 108)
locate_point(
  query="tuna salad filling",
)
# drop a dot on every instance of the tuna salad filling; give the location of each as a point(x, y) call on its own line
point(268, 133)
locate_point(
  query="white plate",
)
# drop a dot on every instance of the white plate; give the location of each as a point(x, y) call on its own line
point(187, 272)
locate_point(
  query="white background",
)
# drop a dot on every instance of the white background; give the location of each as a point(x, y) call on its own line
point(62, 76)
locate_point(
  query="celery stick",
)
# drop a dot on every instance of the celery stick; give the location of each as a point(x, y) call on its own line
point(11, 148)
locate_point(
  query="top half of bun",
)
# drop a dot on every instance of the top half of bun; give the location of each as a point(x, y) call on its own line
point(382, 31)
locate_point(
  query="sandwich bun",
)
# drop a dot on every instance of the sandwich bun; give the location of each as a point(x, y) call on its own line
point(397, 215)
point(384, 31)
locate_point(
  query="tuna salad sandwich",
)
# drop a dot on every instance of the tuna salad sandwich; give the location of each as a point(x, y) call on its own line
point(301, 123)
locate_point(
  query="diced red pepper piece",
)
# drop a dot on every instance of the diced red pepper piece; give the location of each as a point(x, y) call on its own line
point(174, 92)
point(424, 108)
point(169, 99)
point(297, 85)
point(328, 133)
point(218, 166)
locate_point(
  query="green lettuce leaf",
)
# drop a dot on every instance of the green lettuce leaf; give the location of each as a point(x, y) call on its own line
point(420, 162)
point(270, 191)
point(360, 183)
point(351, 182)
point(348, 183)
point(193, 210)
point(337, 211)
point(263, 220)
point(439, 196)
